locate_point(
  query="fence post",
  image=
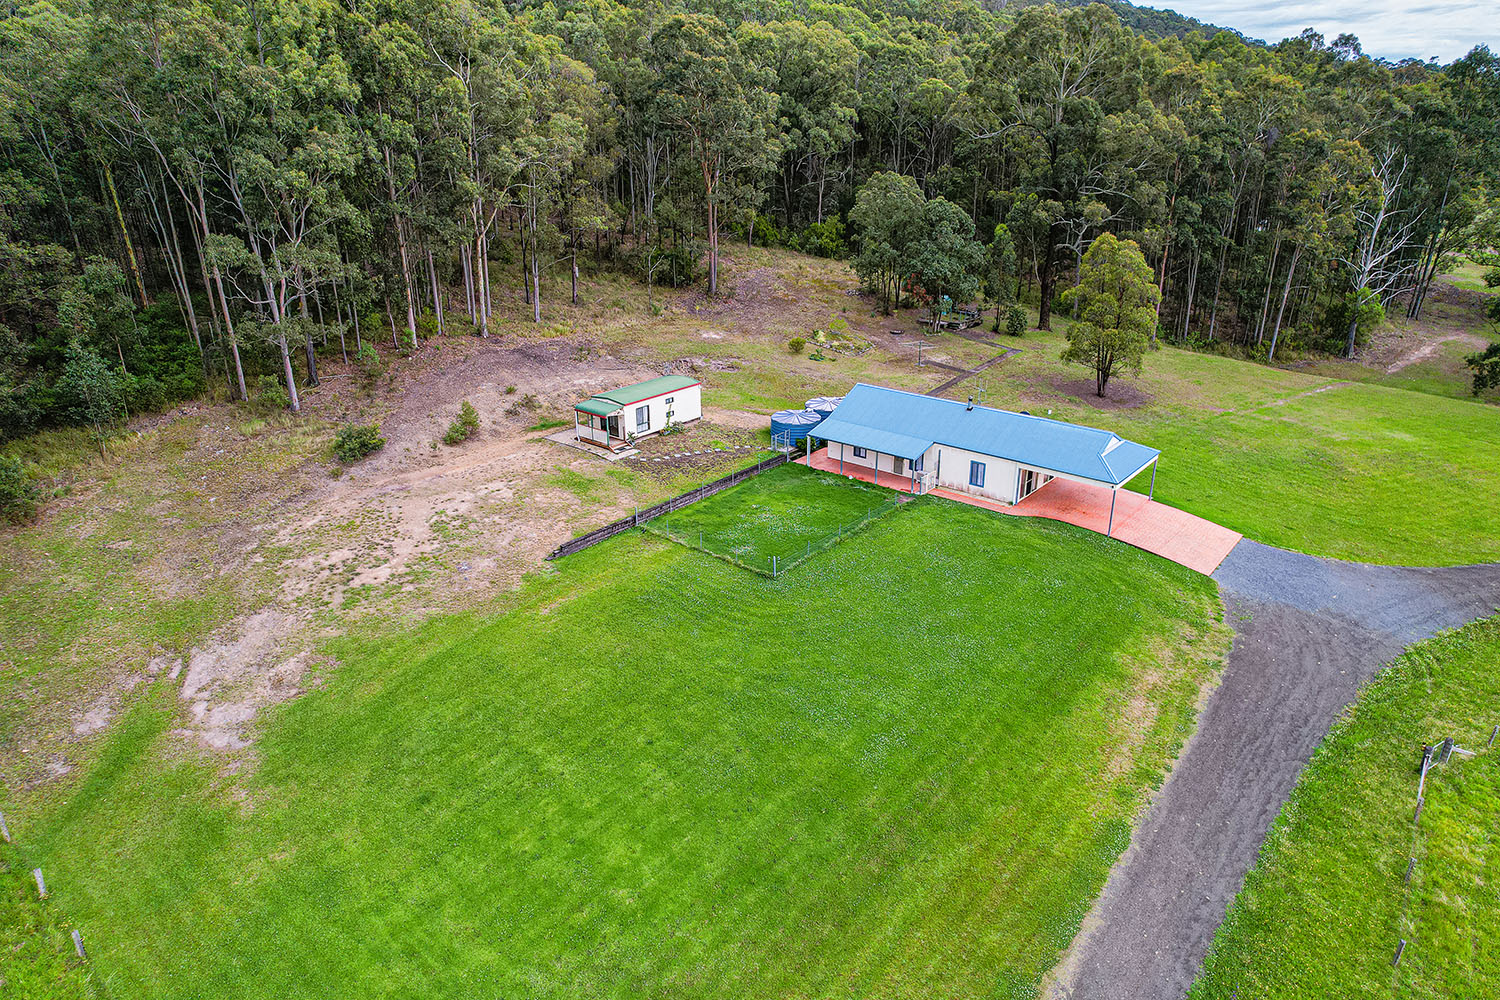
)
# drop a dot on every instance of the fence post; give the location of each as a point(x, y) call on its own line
point(78, 945)
point(41, 885)
point(773, 567)
point(1493, 733)
point(4, 830)
point(1399, 949)
point(1410, 864)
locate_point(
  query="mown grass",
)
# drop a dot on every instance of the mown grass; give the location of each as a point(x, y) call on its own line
point(1333, 468)
point(37, 960)
point(777, 513)
point(1322, 911)
point(655, 774)
point(1349, 471)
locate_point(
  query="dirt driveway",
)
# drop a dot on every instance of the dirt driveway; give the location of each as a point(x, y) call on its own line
point(1308, 633)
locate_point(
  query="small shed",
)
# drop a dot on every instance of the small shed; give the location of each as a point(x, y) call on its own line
point(615, 418)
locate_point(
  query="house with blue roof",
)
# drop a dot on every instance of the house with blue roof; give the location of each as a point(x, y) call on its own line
point(979, 450)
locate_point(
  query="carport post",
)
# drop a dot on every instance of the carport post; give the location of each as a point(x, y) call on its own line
point(1152, 494)
point(1109, 532)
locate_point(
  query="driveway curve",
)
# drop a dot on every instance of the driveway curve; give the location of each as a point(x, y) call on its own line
point(1309, 633)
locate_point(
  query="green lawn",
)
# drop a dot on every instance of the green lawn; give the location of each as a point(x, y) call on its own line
point(787, 512)
point(1332, 468)
point(1351, 471)
point(903, 770)
point(1322, 911)
point(36, 952)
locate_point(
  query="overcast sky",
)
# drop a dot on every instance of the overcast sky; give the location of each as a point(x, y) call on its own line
point(1389, 28)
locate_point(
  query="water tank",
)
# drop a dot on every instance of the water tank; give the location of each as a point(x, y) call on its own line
point(795, 422)
point(824, 404)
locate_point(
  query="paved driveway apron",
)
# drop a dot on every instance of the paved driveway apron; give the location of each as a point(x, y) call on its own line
point(1308, 633)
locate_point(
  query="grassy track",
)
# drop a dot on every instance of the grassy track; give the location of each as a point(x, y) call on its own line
point(1322, 911)
point(901, 771)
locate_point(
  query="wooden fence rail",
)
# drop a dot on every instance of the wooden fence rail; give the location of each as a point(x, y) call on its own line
point(665, 507)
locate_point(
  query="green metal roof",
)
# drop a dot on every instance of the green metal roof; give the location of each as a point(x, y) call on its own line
point(602, 404)
point(598, 406)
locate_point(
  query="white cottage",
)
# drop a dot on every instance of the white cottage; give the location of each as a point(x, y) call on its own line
point(615, 418)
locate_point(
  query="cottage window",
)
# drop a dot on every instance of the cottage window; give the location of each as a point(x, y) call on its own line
point(976, 474)
point(642, 418)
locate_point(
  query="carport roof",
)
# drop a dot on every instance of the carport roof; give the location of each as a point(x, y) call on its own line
point(906, 424)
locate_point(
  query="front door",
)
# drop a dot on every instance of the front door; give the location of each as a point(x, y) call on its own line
point(614, 427)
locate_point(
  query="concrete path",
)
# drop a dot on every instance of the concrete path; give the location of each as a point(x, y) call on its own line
point(1308, 634)
point(1195, 542)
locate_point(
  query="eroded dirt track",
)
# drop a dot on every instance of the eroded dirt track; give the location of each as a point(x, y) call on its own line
point(1309, 633)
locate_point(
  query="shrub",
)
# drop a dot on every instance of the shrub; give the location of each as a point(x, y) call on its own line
point(19, 496)
point(368, 360)
point(510, 389)
point(464, 427)
point(1492, 277)
point(354, 441)
point(427, 325)
point(825, 239)
point(269, 394)
point(1015, 321)
point(796, 344)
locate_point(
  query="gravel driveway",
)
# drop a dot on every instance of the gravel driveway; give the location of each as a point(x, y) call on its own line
point(1309, 633)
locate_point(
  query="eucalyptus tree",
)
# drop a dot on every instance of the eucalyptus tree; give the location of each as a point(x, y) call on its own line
point(883, 210)
point(716, 99)
point(1045, 88)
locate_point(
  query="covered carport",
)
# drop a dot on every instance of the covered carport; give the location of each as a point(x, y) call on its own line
point(1184, 538)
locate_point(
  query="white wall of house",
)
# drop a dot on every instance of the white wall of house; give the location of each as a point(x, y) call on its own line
point(952, 468)
point(881, 462)
point(1002, 477)
point(683, 404)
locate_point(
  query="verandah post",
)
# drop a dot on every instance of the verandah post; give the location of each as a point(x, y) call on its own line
point(1114, 495)
point(1152, 494)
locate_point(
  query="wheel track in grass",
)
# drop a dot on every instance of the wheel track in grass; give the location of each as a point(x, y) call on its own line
point(1309, 633)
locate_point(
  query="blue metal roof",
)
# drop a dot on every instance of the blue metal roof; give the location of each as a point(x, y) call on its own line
point(906, 424)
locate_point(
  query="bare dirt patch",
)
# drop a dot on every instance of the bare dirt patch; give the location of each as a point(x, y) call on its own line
point(228, 681)
point(1428, 349)
point(1120, 394)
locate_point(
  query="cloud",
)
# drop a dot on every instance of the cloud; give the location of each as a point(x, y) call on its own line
point(1385, 28)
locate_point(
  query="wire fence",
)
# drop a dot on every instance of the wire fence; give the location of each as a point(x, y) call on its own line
point(1433, 755)
point(641, 517)
point(757, 560)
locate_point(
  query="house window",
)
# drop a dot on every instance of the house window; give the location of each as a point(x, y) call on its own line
point(916, 464)
point(976, 474)
point(642, 418)
point(860, 452)
point(669, 408)
point(898, 466)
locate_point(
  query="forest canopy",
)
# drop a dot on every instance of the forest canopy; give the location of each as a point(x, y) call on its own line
point(211, 194)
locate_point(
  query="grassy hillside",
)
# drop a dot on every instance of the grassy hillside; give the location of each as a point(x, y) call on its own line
point(659, 774)
point(1322, 911)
